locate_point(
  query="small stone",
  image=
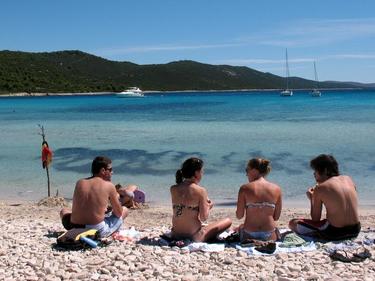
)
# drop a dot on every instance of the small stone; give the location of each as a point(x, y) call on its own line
point(280, 271)
point(284, 279)
point(313, 277)
point(204, 271)
point(189, 277)
point(295, 268)
point(227, 261)
point(104, 270)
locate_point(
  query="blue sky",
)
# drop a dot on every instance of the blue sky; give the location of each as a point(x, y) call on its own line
point(338, 35)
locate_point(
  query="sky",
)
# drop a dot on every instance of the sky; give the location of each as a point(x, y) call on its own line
point(339, 35)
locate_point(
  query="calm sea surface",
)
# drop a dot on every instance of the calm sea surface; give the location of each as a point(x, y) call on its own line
point(149, 138)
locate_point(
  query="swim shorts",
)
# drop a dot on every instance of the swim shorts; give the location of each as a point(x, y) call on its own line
point(324, 230)
point(105, 228)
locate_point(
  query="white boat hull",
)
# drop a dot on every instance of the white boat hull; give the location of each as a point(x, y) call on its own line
point(286, 93)
point(132, 92)
point(129, 95)
point(316, 93)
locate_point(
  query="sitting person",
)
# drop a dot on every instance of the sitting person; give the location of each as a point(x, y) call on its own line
point(90, 201)
point(338, 194)
point(127, 196)
point(191, 205)
point(260, 201)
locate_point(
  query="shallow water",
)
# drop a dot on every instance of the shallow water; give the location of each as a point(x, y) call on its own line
point(148, 139)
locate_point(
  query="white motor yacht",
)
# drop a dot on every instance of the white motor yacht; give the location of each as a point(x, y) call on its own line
point(132, 92)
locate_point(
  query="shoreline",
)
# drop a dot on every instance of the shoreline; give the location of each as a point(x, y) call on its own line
point(24, 94)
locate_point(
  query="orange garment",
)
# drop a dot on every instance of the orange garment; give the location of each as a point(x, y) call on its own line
point(46, 156)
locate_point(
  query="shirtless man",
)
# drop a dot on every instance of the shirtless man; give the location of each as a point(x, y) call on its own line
point(339, 196)
point(90, 201)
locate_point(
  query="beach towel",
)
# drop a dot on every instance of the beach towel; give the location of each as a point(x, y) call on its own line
point(189, 245)
point(204, 247)
point(291, 243)
point(256, 250)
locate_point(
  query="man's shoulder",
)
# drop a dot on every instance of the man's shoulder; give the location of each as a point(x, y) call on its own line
point(96, 182)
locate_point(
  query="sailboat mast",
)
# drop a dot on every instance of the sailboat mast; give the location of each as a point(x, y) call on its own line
point(316, 77)
point(287, 69)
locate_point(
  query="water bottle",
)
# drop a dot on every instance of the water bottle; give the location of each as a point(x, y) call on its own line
point(88, 241)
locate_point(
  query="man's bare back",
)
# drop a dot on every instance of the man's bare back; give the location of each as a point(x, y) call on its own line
point(337, 193)
point(90, 201)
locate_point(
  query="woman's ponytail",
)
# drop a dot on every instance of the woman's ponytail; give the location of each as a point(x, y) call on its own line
point(179, 176)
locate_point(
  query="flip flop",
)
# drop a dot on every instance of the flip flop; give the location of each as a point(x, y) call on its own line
point(356, 257)
point(268, 248)
point(232, 238)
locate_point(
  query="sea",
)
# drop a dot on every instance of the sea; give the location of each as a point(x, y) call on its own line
point(149, 138)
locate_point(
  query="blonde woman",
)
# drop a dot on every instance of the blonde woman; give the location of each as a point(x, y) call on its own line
point(260, 202)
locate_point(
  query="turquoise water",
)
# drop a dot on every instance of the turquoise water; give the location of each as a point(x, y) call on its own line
point(149, 138)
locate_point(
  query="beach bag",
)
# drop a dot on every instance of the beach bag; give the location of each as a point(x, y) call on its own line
point(78, 239)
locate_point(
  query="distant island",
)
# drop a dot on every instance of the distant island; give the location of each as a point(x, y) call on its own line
point(77, 72)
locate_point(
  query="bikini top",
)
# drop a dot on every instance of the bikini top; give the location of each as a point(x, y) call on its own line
point(261, 205)
point(179, 207)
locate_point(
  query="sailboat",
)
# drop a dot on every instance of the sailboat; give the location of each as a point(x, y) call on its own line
point(315, 92)
point(286, 92)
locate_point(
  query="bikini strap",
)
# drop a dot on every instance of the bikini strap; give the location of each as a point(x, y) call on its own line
point(260, 205)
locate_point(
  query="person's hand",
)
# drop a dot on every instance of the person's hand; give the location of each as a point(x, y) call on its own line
point(210, 204)
point(310, 192)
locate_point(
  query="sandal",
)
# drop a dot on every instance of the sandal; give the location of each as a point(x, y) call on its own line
point(356, 257)
point(233, 238)
point(268, 248)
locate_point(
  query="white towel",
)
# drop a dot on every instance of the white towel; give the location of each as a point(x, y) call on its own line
point(204, 247)
point(251, 250)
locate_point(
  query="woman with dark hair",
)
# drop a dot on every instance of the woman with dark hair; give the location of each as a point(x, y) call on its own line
point(339, 196)
point(260, 201)
point(191, 205)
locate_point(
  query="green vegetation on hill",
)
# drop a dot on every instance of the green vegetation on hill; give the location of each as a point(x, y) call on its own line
point(76, 71)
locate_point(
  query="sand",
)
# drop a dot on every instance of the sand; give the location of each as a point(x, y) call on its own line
point(26, 252)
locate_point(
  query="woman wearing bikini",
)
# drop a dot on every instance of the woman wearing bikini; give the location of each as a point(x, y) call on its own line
point(260, 202)
point(191, 205)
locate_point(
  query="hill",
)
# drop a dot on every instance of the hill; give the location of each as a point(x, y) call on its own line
point(76, 71)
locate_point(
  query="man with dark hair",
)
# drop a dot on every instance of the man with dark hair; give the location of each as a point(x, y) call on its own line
point(90, 201)
point(339, 196)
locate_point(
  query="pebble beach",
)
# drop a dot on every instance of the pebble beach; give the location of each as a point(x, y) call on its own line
point(27, 252)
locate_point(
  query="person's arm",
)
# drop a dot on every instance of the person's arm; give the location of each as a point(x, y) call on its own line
point(115, 202)
point(278, 207)
point(240, 212)
point(316, 203)
point(204, 206)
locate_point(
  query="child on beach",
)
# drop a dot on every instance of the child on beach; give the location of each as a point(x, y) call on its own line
point(339, 196)
point(128, 196)
point(261, 203)
point(191, 205)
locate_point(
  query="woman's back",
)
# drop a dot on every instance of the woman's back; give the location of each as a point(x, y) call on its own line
point(262, 205)
point(186, 201)
point(191, 205)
